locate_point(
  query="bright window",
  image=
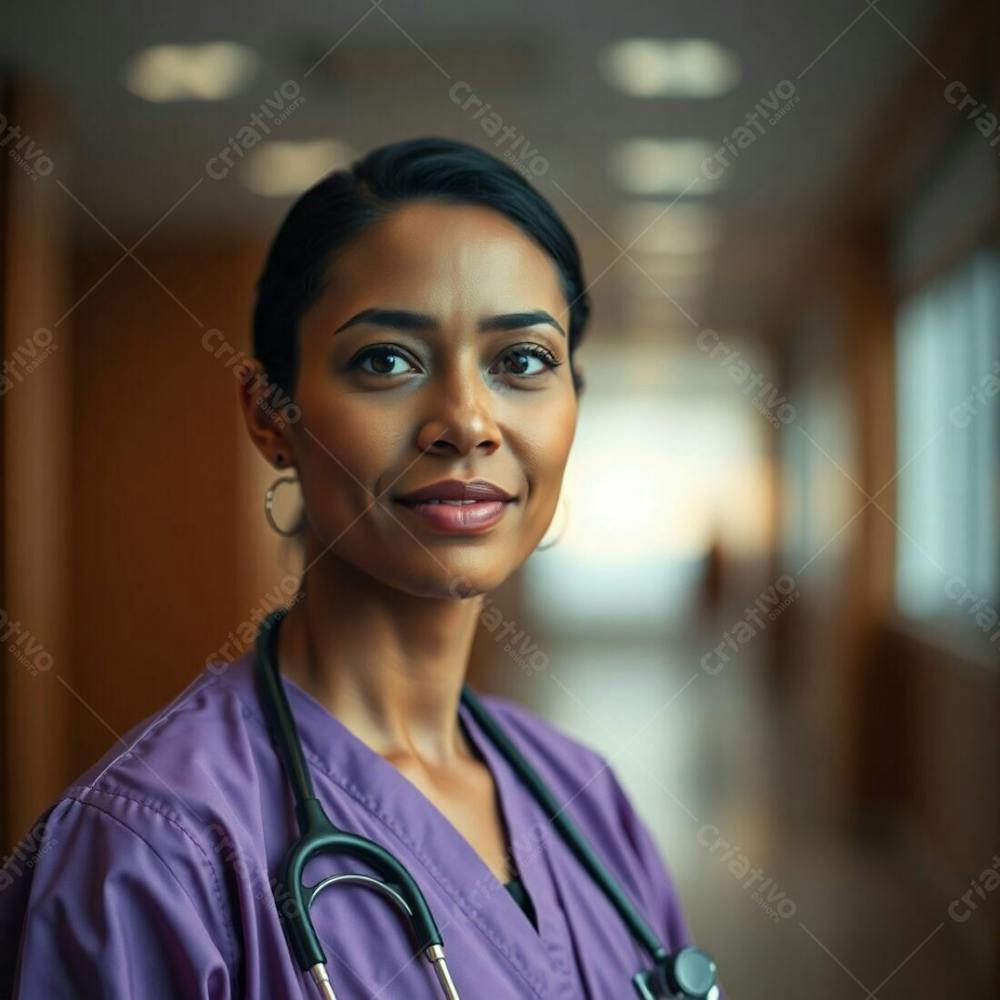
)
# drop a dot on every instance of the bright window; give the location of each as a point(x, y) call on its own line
point(948, 408)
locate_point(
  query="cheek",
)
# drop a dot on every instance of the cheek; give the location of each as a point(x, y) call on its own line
point(545, 449)
point(346, 451)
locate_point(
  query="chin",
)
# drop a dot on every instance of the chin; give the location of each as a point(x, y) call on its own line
point(464, 582)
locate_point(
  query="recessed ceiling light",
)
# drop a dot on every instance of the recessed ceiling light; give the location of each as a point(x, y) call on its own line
point(286, 169)
point(682, 286)
point(669, 227)
point(665, 166)
point(680, 67)
point(678, 275)
point(205, 72)
point(676, 265)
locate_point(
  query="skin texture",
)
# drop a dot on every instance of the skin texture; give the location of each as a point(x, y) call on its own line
point(383, 632)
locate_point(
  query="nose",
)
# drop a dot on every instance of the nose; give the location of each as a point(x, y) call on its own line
point(459, 416)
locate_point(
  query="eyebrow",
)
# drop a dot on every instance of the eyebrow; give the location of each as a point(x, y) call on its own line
point(404, 319)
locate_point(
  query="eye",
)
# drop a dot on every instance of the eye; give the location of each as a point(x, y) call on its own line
point(518, 360)
point(385, 358)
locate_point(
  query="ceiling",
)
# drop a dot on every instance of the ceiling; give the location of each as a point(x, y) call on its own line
point(371, 75)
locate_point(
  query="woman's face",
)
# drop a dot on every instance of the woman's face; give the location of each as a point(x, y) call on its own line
point(451, 382)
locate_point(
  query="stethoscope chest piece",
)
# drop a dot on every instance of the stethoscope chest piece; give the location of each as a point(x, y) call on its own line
point(689, 973)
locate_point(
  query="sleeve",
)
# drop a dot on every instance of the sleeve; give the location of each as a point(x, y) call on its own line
point(103, 915)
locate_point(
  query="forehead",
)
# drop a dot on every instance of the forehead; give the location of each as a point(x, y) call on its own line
point(445, 259)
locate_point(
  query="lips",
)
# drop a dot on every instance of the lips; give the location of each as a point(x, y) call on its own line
point(456, 492)
point(458, 508)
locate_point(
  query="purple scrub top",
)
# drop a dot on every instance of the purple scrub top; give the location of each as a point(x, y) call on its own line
point(153, 875)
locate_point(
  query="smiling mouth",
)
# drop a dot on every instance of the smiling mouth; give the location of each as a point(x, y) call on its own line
point(459, 516)
point(453, 503)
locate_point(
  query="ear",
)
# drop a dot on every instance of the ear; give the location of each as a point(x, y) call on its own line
point(269, 412)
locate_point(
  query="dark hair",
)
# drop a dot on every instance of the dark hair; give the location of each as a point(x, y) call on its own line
point(341, 206)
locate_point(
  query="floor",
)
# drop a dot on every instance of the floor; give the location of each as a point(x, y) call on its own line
point(728, 784)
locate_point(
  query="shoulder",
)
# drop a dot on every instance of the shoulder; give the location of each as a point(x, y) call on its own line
point(581, 777)
point(173, 762)
point(590, 791)
point(134, 841)
point(172, 785)
point(540, 738)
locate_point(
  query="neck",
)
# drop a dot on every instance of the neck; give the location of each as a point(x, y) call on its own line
point(389, 665)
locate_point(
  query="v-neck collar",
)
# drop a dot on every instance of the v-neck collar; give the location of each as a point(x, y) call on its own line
point(542, 955)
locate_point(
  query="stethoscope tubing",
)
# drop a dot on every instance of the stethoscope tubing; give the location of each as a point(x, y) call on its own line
point(318, 836)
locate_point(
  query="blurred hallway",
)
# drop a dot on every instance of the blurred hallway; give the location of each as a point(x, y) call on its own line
point(729, 783)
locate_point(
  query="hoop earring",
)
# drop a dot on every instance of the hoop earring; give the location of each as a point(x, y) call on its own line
point(558, 538)
point(269, 503)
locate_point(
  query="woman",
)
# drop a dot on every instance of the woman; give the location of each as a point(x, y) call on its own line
point(421, 311)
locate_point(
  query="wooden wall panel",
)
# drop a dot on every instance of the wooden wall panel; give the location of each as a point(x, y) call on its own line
point(36, 457)
point(158, 454)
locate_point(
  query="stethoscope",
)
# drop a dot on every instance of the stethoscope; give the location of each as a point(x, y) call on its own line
point(688, 972)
